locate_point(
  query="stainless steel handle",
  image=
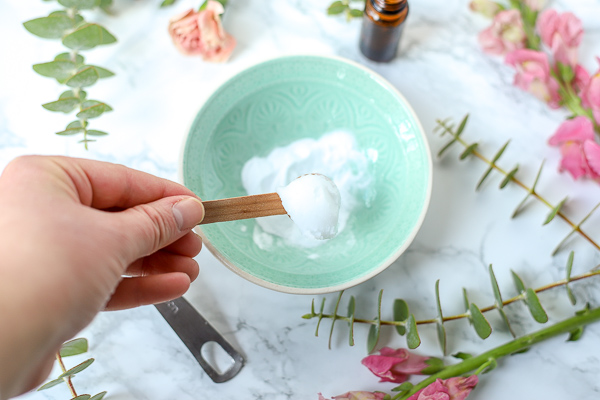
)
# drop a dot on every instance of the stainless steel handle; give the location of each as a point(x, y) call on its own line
point(195, 331)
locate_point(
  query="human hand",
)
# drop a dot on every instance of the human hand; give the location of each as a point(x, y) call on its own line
point(79, 236)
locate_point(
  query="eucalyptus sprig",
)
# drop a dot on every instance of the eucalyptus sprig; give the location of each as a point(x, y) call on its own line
point(406, 323)
point(72, 348)
point(510, 176)
point(346, 7)
point(69, 68)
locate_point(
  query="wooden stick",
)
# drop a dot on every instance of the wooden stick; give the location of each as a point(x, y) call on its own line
point(232, 209)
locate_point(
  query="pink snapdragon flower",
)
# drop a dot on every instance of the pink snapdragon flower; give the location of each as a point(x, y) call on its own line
point(590, 94)
point(562, 33)
point(201, 33)
point(506, 33)
point(533, 75)
point(457, 388)
point(356, 396)
point(488, 8)
point(580, 152)
point(396, 365)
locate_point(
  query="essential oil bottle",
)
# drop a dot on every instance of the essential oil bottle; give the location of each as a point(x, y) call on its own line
point(382, 26)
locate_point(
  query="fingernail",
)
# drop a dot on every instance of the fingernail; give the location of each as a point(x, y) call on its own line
point(188, 213)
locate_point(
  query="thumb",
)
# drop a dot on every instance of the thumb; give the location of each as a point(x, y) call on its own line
point(152, 226)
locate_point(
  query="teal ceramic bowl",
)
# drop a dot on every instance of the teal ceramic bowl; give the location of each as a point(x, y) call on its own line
point(277, 102)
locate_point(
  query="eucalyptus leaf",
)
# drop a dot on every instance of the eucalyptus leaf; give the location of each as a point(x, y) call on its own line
point(74, 347)
point(167, 3)
point(446, 147)
point(80, 4)
point(79, 59)
point(554, 211)
point(105, 5)
point(441, 331)
point(81, 397)
point(468, 151)
point(87, 37)
point(103, 72)
point(480, 323)
point(351, 309)
point(506, 322)
point(496, 289)
point(92, 109)
point(509, 177)
point(82, 94)
point(462, 125)
point(78, 368)
point(73, 128)
point(50, 27)
point(401, 314)
point(52, 383)
point(518, 282)
point(355, 12)
point(320, 316)
point(412, 334)
point(535, 307)
point(59, 70)
point(65, 105)
point(85, 77)
point(98, 396)
point(373, 336)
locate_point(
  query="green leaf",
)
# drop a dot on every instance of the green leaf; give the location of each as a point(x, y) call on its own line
point(74, 347)
point(320, 316)
point(480, 323)
point(335, 317)
point(412, 334)
point(82, 397)
point(468, 151)
point(50, 384)
point(434, 365)
point(78, 368)
point(441, 331)
point(50, 27)
point(73, 128)
point(373, 336)
point(87, 37)
point(462, 356)
point(355, 12)
point(496, 288)
point(98, 396)
point(92, 109)
point(554, 211)
point(59, 70)
point(167, 3)
point(509, 177)
point(535, 307)
point(446, 147)
point(576, 334)
point(203, 5)
point(337, 7)
point(351, 309)
point(65, 105)
point(401, 314)
point(462, 125)
point(572, 298)
point(404, 387)
point(79, 60)
point(69, 93)
point(518, 282)
point(102, 72)
point(86, 76)
point(80, 4)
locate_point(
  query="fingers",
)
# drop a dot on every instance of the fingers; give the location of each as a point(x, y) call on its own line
point(163, 262)
point(152, 226)
point(189, 245)
point(153, 289)
point(104, 185)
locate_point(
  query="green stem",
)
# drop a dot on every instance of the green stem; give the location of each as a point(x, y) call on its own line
point(512, 347)
point(67, 379)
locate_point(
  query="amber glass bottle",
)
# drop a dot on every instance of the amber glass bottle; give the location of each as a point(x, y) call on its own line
point(383, 22)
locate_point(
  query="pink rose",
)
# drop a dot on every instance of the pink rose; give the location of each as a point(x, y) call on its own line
point(590, 94)
point(396, 365)
point(580, 152)
point(488, 8)
point(533, 75)
point(457, 388)
point(356, 396)
point(504, 35)
point(562, 33)
point(201, 33)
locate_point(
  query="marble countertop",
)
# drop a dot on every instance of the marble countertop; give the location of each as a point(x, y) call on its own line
point(442, 72)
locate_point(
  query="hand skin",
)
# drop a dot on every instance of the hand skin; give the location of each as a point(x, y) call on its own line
point(78, 237)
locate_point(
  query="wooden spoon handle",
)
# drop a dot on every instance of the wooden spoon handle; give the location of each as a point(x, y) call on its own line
point(232, 209)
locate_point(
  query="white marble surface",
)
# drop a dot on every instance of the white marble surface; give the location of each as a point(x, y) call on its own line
point(442, 73)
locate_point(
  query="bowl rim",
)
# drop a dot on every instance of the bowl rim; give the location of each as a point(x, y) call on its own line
point(328, 289)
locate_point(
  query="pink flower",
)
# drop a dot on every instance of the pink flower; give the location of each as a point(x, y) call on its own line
point(201, 33)
point(581, 154)
point(562, 33)
point(457, 388)
point(396, 365)
point(590, 94)
point(488, 8)
point(504, 35)
point(356, 396)
point(535, 5)
point(533, 75)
